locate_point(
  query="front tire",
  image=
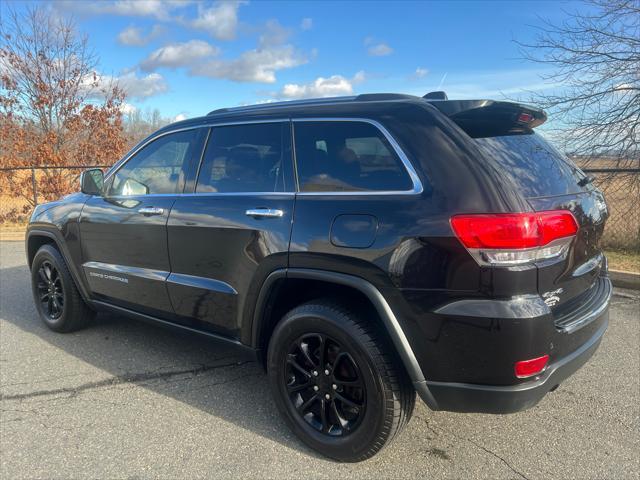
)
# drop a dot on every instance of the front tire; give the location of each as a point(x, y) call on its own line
point(337, 381)
point(56, 296)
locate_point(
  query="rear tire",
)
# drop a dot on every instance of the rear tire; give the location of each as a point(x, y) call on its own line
point(56, 296)
point(337, 381)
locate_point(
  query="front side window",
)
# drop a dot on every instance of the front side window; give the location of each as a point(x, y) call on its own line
point(347, 156)
point(246, 158)
point(159, 167)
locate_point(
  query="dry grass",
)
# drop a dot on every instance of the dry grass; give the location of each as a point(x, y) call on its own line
point(623, 260)
point(623, 227)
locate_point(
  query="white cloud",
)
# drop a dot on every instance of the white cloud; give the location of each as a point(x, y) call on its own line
point(220, 20)
point(179, 117)
point(127, 108)
point(134, 36)
point(273, 34)
point(179, 55)
point(135, 87)
point(380, 50)
point(142, 87)
point(95, 85)
point(419, 73)
point(306, 24)
point(258, 65)
point(159, 9)
point(332, 86)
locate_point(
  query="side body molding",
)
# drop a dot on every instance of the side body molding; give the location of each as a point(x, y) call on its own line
point(378, 301)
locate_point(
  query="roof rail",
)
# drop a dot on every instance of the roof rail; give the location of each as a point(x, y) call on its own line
point(264, 106)
point(373, 97)
point(366, 97)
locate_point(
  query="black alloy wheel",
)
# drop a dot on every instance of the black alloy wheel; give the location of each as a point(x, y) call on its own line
point(50, 290)
point(337, 380)
point(57, 298)
point(325, 385)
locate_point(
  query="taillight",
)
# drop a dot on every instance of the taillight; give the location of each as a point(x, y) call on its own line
point(529, 368)
point(515, 238)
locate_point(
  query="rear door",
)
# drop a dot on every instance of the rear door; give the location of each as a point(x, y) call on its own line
point(550, 181)
point(234, 228)
point(124, 233)
point(358, 197)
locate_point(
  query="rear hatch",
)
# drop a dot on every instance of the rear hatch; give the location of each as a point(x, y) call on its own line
point(549, 181)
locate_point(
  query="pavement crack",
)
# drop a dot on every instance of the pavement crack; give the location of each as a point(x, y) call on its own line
point(477, 445)
point(503, 460)
point(121, 379)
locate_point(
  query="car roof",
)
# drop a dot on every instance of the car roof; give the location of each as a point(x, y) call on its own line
point(356, 105)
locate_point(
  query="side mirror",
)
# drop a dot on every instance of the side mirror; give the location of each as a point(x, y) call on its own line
point(92, 181)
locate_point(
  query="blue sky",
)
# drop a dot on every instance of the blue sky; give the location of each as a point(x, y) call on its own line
point(186, 58)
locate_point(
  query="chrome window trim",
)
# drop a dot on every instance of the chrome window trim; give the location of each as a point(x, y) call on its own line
point(417, 184)
point(209, 194)
point(120, 163)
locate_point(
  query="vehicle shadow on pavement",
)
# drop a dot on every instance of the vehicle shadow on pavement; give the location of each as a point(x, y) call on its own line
point(205, 374)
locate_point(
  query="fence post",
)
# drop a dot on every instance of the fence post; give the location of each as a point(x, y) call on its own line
point(33, 185)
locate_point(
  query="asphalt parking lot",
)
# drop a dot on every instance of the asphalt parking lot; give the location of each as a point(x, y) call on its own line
point(128, 400)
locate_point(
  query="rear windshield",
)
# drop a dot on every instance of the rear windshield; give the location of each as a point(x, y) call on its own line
point(536, 167)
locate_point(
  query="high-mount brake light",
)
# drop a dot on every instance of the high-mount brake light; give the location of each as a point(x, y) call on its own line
point(515, 238)
point(525, 117)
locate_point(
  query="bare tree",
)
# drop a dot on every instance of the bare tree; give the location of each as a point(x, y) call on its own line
point(594, 99)
point(139, 124)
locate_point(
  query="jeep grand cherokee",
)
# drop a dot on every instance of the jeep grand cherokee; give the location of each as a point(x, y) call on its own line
point(363, 248)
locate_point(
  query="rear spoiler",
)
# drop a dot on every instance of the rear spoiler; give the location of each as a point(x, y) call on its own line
point(489, 118)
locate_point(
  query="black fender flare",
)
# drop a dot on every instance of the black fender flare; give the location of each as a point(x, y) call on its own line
point(59, 242)
point(391, 324)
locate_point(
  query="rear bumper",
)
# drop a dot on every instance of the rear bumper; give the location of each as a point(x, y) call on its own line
point(465, 397)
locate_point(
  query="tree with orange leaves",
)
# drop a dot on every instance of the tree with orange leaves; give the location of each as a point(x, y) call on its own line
point(55, 109)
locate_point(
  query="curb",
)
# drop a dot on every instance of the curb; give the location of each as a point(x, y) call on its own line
point(12, 236)
point(622, 279)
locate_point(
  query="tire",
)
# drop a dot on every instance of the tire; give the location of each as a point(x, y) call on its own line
point(367, 397)
point(56, 296)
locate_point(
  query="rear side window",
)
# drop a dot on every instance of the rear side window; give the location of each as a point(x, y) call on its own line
point(536, 167)
point(346, 156)
point(246, 158)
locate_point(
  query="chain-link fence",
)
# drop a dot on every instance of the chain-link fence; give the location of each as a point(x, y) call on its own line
point(23, 188)
point(621, 188)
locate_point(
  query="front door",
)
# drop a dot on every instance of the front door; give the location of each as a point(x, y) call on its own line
point(227, 236)
point(124, 233)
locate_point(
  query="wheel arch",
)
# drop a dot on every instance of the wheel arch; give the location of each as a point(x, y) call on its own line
point(36, 238)
point(268, 312)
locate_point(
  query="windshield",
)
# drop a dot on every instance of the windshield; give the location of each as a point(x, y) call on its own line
point(534, 165)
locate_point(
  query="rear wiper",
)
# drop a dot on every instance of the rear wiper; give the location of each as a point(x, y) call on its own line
point(585, 181)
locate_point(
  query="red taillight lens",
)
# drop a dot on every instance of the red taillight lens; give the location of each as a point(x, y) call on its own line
point(513, 230)
point(557, 224)
point(529, 368)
